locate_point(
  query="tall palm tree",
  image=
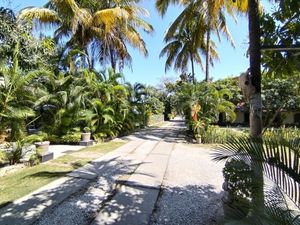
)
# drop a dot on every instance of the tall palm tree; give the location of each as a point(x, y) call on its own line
point(104, 28)
point(255, 71)
point(185, 42)
point(213, 13)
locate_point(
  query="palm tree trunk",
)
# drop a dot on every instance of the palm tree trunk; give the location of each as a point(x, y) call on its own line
point(255, 98)
point(207, 52)
point(255, 62)
point(193, 67)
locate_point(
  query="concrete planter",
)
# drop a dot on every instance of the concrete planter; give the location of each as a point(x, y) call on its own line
point(45, 155)
point(198, 139)
point(85, 136)
point(44, 145)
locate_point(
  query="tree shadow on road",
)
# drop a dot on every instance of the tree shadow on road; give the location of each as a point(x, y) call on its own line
point(101, 175)
point(187, 205)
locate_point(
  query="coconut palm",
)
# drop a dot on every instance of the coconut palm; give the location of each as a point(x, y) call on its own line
point(117, 51)
point(185, 44)
point(106, 29)
point(213, 14)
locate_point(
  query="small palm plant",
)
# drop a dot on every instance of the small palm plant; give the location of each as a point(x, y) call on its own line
point(16, 97)
point(197, 127)
point(279, 159)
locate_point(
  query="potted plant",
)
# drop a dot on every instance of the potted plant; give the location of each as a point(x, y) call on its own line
point(86, 134)
point(197, 126)
point(198, 138)
point(42, 144)
point(41, 141)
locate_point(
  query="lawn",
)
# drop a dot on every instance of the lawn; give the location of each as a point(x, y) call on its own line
point(24, 181)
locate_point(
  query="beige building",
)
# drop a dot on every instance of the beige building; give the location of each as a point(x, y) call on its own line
point(287, 118)
point(290, 118)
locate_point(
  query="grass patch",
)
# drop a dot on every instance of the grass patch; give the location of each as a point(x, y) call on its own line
point(24, 181)
point(102, 148)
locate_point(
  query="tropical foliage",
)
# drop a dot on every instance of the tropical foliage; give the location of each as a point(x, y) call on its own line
point(200, 103)
point(281, 27)
point(194, 27)
point(53, 86)
point(277, 97)
point(32, 52)
point(61, 85)
point(278, 157)
point(100, 30)
point(16, 98)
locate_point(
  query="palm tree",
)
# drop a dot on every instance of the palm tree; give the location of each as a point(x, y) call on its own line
point(104, 28)
point(185, 42)
point(255, 72)
point(16, 97)
point(180, 51)
point(112, 47)
point(61, 102)
point(213, 14)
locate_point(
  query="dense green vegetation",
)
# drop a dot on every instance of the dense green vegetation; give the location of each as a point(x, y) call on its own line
point(54, 84)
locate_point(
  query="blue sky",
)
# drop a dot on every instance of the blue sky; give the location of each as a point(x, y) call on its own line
point(151, 70)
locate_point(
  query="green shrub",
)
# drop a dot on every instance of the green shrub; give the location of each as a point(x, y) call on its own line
point(35, 157)
point(72, 138)
point(54, 139)
point(238, 174)
point(14, 153)
point(38, 137)
point(218, 135)
point(100, 137)
point(286, 133)
point(86, 130)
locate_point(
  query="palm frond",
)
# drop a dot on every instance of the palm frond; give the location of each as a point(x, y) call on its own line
point(279, 158)
point(42, 15)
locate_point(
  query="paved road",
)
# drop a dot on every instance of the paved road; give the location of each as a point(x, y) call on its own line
point(153, 179)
